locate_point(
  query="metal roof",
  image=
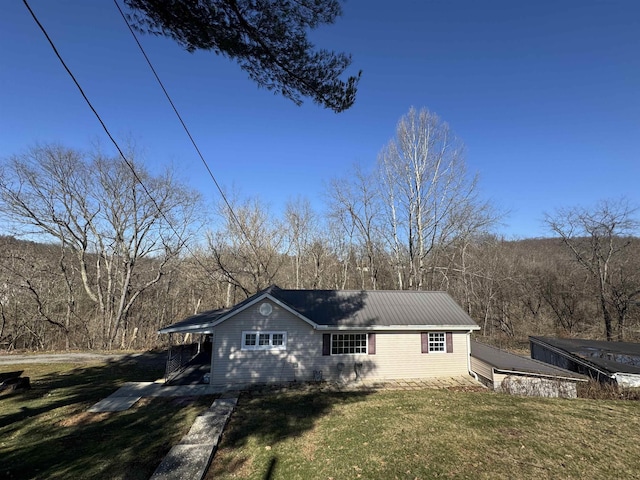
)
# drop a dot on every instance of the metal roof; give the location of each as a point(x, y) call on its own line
point(350, 309)
point(510, 362)
point(375, 308)
point(195, 323)
point(613, 357)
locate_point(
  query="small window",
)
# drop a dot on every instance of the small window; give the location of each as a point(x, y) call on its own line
point(437, 342)
point(264, 340)
point(348, 343)
point(249, 339)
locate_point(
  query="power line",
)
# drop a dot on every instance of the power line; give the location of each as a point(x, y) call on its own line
point(193, 142)
point(113, 140)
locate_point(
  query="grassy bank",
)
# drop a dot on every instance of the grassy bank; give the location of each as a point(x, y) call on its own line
point(427, 434)
point(46, 432)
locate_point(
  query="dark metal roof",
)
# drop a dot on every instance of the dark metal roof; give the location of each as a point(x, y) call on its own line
point(613, 357)
point(195, 322)
point(369, 308)
point(510, 362)
point(353, 309)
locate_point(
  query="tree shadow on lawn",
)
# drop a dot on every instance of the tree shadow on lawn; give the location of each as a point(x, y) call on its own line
point(274, 417)
point(46, 432)
point(89, 384)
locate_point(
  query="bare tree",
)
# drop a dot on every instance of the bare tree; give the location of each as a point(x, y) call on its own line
point(249, 249)
point(388, 189)
point(97, 207)
point(431, 200)
point(300, 225)
point(601, 240)
point(354, 204)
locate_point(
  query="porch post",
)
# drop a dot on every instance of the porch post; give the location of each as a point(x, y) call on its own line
point(167, 366)
point(213, 350)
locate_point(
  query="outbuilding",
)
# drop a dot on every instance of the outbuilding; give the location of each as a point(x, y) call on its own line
point(506, 372)
point(607, 362)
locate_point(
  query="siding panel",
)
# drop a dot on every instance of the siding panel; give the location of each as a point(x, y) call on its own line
point(482, 369)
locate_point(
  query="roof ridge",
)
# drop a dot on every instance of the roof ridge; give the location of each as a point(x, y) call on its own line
point(356, 290)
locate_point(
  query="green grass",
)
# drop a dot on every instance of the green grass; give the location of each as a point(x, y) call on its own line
point(427, 434)
point(46, 432)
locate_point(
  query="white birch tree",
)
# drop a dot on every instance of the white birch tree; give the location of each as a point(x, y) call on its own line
point(430, 198)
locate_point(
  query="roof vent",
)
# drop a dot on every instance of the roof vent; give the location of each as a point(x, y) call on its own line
point(265, 309)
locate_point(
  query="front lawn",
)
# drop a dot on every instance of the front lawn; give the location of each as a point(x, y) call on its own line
point(427, 434)
point(46, 432)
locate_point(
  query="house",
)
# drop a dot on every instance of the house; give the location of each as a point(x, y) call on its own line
point(609, 362)
point(506, 372)
point(282, 335)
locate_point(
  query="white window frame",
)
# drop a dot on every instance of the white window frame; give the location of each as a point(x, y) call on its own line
point(342, 337)
point(260, 337)
point(437, 342)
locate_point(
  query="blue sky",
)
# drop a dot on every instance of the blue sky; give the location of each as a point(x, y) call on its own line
point(544, 94)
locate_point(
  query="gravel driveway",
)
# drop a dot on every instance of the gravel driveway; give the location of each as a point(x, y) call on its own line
point(148, 358)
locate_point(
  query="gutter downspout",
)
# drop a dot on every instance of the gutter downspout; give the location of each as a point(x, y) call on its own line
point(471, 372)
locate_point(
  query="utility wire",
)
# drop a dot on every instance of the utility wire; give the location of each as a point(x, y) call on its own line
point(193, 142)
point(113, 140)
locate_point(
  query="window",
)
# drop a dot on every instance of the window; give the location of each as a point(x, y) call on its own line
point(249, 340)
point(348, 343)
point(437, 342)
point(264, 340)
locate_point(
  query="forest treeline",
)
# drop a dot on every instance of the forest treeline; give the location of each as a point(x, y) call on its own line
point(512, 289)
point(99, 253)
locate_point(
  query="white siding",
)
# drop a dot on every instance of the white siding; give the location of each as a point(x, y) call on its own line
point(398, 354)
point(232, 365)
point(483, 370)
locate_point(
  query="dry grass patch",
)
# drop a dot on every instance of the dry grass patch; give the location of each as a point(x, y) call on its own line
point(82, 418)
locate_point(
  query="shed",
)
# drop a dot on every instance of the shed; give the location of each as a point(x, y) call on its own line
point(510, 373)
point(609, 362)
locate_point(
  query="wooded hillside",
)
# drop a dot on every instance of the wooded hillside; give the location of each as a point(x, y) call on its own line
point(125, 252)
point(512, 289)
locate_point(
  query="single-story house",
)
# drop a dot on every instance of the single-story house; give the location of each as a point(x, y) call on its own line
point(280, 335)
point(506, 372)
point(610, 362)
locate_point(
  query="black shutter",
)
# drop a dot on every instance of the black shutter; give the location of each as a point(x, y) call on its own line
point(326, 344)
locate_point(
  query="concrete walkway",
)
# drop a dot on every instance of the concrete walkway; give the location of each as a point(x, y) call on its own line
point(460, 382)
point(463, 382)
point(127, 395)
point(190, 458)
